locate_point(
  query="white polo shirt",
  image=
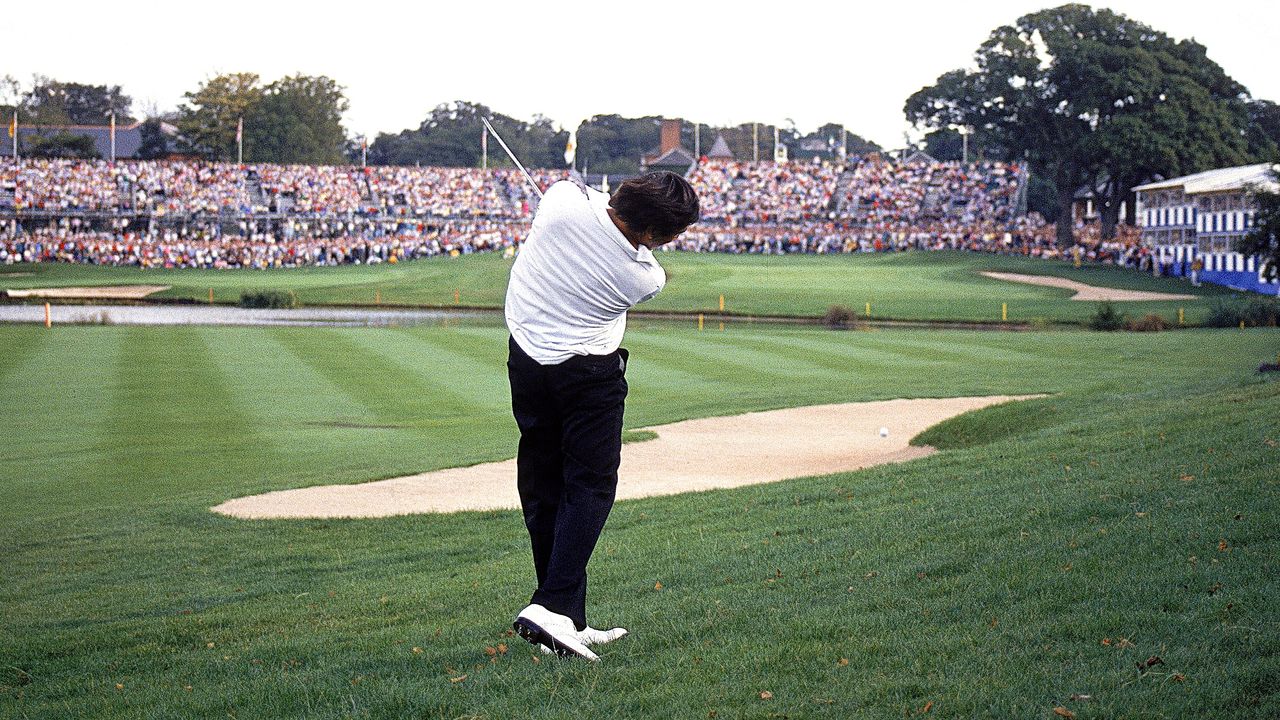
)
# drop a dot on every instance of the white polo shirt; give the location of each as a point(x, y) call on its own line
point(575, 278)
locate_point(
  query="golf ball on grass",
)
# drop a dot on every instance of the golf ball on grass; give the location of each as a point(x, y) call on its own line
point(884, 432)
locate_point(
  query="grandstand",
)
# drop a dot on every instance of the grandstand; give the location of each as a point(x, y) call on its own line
point(198, 214)
point(1201, 217)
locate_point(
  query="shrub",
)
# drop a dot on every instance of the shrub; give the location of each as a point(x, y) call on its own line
point(268, 299)
point(1107, 317)
point(1253, 311)
point(840, 317)
point(1148, 323)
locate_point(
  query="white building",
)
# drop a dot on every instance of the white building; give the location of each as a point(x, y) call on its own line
point(1202, 216)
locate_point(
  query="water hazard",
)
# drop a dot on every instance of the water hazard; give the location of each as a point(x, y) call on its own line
point(217, 315)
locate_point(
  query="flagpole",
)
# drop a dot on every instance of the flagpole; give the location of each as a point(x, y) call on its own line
point(484, 148)
point(15, 133)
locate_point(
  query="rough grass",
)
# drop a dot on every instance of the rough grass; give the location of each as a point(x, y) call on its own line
point(1053, 546)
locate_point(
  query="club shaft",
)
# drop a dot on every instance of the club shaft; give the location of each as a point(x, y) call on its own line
point(511, 155)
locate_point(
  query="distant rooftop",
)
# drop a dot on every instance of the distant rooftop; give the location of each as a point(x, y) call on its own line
point(1219, 180)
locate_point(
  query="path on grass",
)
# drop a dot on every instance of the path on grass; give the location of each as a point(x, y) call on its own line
point(1091, 293)
point(692, 455)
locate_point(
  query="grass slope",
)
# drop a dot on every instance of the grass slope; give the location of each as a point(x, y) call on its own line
point(1052, 547)
point(904, 286)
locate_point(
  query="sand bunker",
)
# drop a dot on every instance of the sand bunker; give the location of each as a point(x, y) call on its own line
point(114, 292)
point(703, 454)
point(1087, 292)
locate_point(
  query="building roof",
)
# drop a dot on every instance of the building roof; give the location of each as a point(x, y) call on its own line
point(128, 137)
point(675, 157)
point(920, 156)
point(720, 149)
point(1219, 180)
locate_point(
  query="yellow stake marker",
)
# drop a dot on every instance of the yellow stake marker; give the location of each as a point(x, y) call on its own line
point(1004, 312)
point(721, 303)
point(48, 321)
point(210, 296)
point(721, 327)
point(868, 311)
point(1241, 324)
point(1181, 321)
point(377, 296)
point(457, 297)
point(699, 322)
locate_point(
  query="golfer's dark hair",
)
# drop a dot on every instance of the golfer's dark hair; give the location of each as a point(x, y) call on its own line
point(659, 202)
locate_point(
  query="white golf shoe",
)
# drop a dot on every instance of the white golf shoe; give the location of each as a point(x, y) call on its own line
point(540, 626)
point(592, 636)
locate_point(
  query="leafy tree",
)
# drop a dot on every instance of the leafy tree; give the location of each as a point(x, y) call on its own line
point(60, 145)
point(207, 122)
point(451, 137)
point(1085, 94)
point(155, 144)
point(1264, 130)
point(296, 119)
point(947, 144)
point(67, 103)
point(614, 144)
point(1263, 242)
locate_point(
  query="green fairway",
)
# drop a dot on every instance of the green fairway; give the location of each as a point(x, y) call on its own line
point(1053, 546)
point(902, 286)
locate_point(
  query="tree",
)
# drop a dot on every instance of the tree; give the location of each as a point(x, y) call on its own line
point(1263, 242)
point(67, 103)
point(1084, 94)
point(1264, 130)
point(296, 119)
point(451, 137)
point(207, 122)
point(155, 143)
point(60, 145)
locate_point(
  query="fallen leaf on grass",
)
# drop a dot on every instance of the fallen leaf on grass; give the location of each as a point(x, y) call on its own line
point(1124, 643)
point(766, 695)
point(1106, 641)
point(119, 686)
point(1178, 677)
point(458, 679)
point(490, 651)
point(1081, 698)
point(1063, 712)
point(843, 662)
point(417, 651)
point(927, 707)
point(1187, 478)
point(1150, 662)
point(657, 586)
point(1223, 546)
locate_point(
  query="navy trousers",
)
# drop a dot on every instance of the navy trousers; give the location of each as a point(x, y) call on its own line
point(570, 420)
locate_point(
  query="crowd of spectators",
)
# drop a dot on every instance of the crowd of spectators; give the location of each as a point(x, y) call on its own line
point(196, 214)
point(192, 188)
point(202, 247)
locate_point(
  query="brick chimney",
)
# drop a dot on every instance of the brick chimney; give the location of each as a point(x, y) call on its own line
point(670, 136)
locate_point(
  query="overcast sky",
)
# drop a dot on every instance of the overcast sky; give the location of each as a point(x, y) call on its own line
point(713, 62)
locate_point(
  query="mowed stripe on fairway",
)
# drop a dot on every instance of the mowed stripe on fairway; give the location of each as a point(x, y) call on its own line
point(174, 416)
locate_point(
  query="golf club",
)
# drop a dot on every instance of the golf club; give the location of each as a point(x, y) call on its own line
point(511, 155)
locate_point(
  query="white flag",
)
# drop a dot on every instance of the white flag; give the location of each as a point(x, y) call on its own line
point(571, 148)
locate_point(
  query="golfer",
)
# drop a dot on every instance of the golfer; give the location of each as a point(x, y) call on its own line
point(587, 260)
